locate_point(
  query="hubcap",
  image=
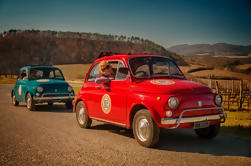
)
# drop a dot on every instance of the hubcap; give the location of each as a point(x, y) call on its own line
point(81, 116)
point(14, 99)
point(29, 102)
point(143, 129)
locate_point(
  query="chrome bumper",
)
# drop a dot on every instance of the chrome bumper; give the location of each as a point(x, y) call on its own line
point(181, 119)
point(53, 98)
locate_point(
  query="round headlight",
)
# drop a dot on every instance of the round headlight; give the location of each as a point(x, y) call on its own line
point(69, 89)
point(173, 102)
point(40, 89)
point(218, 99)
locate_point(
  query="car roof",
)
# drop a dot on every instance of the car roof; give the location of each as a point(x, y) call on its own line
point(125, 56)
point(32, 67)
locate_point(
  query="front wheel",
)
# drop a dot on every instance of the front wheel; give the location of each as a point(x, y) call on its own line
point(81, 115)
point(209, 132)
point(14, 100)
point(30, 103)
point(145, 130)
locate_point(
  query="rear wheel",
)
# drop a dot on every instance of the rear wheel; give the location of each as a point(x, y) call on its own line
point(14, 100)
point(209, 132)
point(30, 103)
point(145, 130)
point(81, 115)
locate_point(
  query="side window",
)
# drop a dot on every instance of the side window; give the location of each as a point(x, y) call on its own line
point(94, 73)
point(58, 74)
point(120, 74)
point(23, 75)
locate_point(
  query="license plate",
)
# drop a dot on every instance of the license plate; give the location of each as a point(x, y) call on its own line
point(203, 124)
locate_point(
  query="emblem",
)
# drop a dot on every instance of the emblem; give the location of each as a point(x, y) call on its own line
point(56, 90)
point(106, 104)
point(162, 82)
point(200, 103)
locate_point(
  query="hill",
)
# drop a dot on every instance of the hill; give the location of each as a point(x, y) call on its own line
point(33, 47)
point(219, 49)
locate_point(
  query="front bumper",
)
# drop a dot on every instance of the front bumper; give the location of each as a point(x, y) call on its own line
point(53, 98)
point(177, 121)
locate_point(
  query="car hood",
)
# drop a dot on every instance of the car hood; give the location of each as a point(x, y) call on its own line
point(48, 81)
point(169, 86)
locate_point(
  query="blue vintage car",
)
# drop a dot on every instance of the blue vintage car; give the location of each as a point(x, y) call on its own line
point(41, 84)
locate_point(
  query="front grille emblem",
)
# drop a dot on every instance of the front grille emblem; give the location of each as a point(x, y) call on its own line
point(200, 103)
point(56, 90)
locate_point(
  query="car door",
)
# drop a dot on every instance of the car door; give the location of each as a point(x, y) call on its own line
point(21, 87)
point(93, 93)
point(115, 95)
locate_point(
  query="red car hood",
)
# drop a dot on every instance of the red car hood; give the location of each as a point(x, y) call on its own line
point(169, 86)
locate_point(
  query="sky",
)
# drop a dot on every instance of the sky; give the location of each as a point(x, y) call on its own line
point(166, 22)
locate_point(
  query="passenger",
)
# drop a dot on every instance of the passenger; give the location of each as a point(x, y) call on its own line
point(106, 71)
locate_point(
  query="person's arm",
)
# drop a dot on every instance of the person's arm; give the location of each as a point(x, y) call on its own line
point(102, 80)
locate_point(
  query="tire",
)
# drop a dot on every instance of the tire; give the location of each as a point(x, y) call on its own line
point(68, 105)
point(14, 101)
point(149, 135)
point(50, 104)
point(30, 103)
point(81, 115)
point(209, 132)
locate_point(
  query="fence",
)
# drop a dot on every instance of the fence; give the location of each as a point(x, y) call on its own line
point(236, 93)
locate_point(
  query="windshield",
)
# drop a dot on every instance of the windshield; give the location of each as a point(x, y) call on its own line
point(147, 67)
point(45, 73)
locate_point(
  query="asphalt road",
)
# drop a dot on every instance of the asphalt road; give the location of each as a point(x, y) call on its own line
point(51, 136)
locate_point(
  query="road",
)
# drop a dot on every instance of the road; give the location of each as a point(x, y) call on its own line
point(51, 136)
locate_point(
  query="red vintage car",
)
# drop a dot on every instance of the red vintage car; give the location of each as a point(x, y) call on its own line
point(147, 92)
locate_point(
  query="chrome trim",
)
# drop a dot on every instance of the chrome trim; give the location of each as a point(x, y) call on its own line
point(66, 94)
point(120, 124)
point(54, 98)
point(178, 121)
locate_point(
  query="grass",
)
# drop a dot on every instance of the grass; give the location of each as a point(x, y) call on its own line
point(8, 79)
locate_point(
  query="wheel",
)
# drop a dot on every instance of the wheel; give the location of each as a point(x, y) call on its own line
point(14, 101)
point(50, 104)
point(209, 132)
point(81, 115)
point(30, 103)
point(68, 105)
point(145, 130)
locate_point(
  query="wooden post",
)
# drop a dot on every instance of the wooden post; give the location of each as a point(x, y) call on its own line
point(217, 87)
point(241, 94)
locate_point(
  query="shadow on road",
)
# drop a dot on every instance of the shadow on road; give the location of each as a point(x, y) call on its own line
point(185, 140)
point(57, 108)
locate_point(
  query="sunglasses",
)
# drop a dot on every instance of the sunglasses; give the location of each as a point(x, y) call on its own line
point(107, 67)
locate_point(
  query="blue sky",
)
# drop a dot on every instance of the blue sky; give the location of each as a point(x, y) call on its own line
point(166, 22)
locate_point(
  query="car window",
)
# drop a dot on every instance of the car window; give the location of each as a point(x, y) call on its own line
point(119, 74)
point(94, 73)
point(23, 75)
point(45, 73)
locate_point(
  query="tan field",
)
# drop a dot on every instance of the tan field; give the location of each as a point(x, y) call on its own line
point(244, 67)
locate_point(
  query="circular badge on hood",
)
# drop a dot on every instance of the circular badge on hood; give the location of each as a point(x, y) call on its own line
point(162, 82)
point(106, 104)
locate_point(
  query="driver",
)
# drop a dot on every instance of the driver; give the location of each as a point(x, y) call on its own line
point(106, 71)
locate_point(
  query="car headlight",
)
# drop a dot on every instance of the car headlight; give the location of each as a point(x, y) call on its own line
point(218, 99)
point(173, 102)
point(69, 89)
point(40, 89)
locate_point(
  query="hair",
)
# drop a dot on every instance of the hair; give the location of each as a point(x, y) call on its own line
point(102, 65)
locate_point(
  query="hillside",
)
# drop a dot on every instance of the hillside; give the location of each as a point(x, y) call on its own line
point(33, 47)
point(219, 49)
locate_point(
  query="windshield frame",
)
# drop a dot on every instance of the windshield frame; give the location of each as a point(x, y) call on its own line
point(150, 68)
point(46, 68)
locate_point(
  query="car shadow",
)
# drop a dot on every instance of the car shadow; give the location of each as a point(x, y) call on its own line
point(114, 129)
point(185, 140)
point(57, 108)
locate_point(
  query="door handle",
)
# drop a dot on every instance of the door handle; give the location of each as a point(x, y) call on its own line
point(97, 87)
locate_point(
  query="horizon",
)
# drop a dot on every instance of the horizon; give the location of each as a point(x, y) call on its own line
point(167, 23)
